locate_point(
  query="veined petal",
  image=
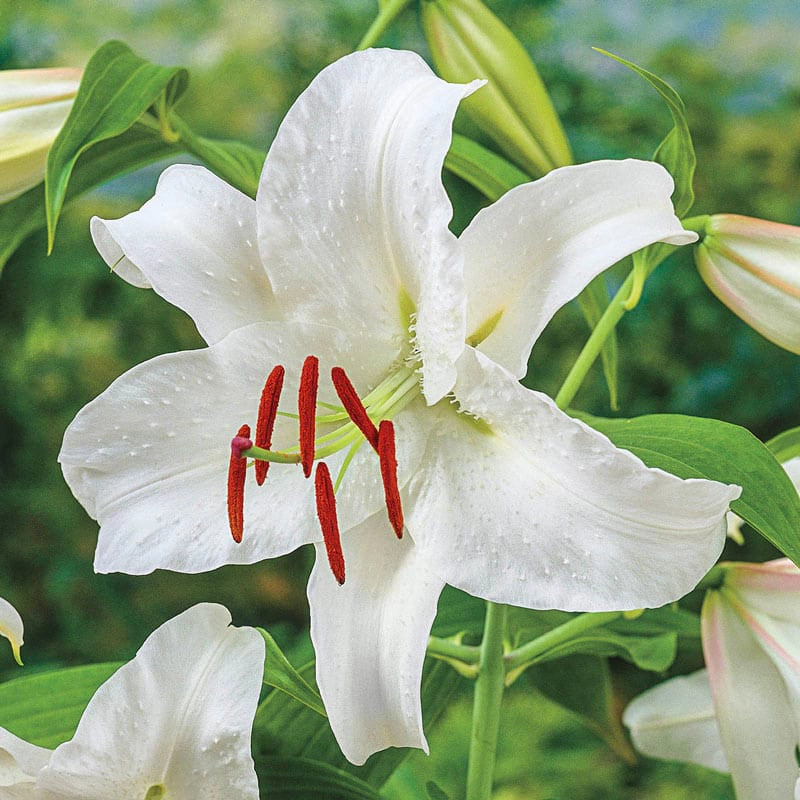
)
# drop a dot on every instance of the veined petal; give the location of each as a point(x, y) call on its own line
point(11, 627)
point(530, 507)
point(676, 720)
point(540, 244)
point(370, 636)
point(149, 457)
point(754, 708)
point(179, 715)
point(352, 213)
point(20, 763)
point(195, 243)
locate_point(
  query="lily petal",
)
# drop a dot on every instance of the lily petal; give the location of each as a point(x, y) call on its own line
point(759, 746)
point(370, 636)
point(11, 627)
point(541, 243)
point(676, 720)
point(195, 243)
point(149, 457)
point(352, 213)
point(179, 715)
point(530, 507)
point(20, 763)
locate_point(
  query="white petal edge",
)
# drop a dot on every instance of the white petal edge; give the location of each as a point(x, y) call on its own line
point(753, 707)
point(195, 243)
point(370, 637)
point(541, 243)
point(11, 627)
point(20, 762)
point(533, 508)
point(352, 213)
point(149, 457)
point(179, 714)
point(676, 720)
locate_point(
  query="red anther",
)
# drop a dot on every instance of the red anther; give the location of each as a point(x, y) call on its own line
point(388, 462)
point(326, 511)
point(353, 406)
point(307, 410)
point(237, 471)
point(267, 411)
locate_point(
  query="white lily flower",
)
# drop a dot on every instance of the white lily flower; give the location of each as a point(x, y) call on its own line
point(11, 628)
point(742, 714)
point(753, 266)
point(175, 722)
point(346, 254)
point(33, 106)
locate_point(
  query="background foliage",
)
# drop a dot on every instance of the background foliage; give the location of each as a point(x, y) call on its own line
point(68, 328)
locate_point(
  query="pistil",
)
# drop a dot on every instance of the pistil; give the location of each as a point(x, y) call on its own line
point(237, 471)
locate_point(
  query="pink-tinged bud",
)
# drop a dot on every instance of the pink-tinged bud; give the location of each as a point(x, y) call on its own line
point(33, 106)
point(751, 643)
point(753, 266)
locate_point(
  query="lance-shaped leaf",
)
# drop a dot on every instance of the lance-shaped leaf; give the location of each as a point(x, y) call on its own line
point(676, 151)
point(135, 148)
point(306, 779)
point(785, 445)
point(693, 447)
point(118, 87)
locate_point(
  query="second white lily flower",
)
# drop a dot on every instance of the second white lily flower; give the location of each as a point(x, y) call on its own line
point(346, 255)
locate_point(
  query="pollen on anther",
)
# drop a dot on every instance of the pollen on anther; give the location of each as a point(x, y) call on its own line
point(326, 512)
point(307, 409)
point(267, 412)
point(352, 404)
point(237, 472)
point(388, 464)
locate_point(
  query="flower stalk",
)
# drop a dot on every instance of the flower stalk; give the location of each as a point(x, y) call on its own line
point(489, 688)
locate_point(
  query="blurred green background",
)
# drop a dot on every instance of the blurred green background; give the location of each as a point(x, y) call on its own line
point(68, 327)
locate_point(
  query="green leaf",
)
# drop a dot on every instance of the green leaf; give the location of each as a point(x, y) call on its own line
point(435, 792)
point(117, 89)
point(278, 672)
point(282, 778)
point(286, 728)
point(693, 447)
point(135, 148)
point(785, 445)
point(654, 651)
point(236, 162)
point(488, 172)
point(582, 684)
point(676, 151)
point(45, 708)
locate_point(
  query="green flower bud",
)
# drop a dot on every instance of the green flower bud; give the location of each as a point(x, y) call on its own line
point(33, 106)
point(468, 41)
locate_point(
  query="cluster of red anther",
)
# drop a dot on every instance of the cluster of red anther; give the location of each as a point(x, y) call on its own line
point(381, 438)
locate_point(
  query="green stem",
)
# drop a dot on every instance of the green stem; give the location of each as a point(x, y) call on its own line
point(489, 688)
point(533, 650)
point(387, 14)
point(447, 649)
point(594, 344)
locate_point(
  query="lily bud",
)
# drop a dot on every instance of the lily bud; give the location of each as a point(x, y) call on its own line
point(468, 41)
point(753, 266)
point(33, 106)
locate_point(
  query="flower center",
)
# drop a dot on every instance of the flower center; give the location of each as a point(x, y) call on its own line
point(345, 426)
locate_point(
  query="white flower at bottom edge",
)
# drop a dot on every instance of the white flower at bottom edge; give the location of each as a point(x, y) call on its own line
point(172, 724)
point(346, 255)
point(741, 714)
